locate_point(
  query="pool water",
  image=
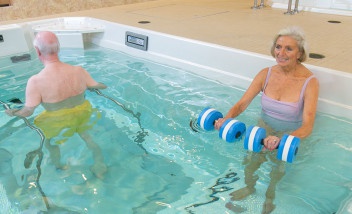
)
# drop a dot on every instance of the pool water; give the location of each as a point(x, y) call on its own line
point(156, 162)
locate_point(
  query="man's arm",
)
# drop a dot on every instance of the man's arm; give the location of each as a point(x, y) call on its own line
point(91, 83)
point(23, 112)
point(99, 85)
point(33, 99)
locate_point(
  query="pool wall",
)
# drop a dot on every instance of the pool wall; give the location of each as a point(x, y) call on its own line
point(228, 65)
point(12, 40)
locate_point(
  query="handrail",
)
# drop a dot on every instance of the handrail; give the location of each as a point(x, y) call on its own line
point(141, 134)
point(31, 155)
point(289, 10)
point(256, 6)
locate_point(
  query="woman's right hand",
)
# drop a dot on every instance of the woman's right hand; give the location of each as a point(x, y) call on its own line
point(218, 123)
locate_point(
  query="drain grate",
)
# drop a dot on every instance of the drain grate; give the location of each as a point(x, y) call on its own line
point(334, 21)
point(144, 22)
point(20, 58)
point(316, 56)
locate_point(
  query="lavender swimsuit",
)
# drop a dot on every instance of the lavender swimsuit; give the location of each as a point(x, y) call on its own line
point(284, 111)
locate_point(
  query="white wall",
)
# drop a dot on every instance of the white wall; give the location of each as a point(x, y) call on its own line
point(342, 4)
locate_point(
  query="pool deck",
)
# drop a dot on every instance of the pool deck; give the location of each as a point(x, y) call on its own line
point(233, 23)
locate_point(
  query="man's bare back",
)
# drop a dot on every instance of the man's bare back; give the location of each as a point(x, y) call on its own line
point(59, 85)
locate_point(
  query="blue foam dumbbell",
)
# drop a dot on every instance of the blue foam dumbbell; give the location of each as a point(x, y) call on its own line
point(230, 131)
point(287, 149)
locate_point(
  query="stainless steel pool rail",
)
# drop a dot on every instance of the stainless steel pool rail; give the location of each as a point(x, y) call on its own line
point(256, 6)
point(141, 134)
point(289, 10)
point(289, 7)
point(31, 155)
point(6, 106)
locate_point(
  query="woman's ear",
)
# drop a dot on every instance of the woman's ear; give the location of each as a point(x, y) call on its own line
point(299, 55)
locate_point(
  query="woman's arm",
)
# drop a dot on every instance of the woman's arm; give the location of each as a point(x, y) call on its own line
point(252, 91)
point(309, 110)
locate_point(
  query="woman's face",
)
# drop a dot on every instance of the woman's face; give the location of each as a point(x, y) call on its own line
point(286, 51)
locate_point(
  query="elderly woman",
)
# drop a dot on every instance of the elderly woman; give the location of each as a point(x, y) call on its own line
point(289, 101)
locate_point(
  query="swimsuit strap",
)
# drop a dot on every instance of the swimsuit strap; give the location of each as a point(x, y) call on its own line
point(304, 87)
point(302, 90)
point(267, 78)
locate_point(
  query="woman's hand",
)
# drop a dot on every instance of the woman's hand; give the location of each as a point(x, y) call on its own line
point(271, 142)
point(218, 123)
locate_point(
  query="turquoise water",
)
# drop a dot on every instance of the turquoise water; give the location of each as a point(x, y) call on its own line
point(156, 162)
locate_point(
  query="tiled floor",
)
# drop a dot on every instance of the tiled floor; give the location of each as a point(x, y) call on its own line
point(234, 24)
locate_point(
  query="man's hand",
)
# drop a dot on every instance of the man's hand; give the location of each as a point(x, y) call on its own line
point(11, 112)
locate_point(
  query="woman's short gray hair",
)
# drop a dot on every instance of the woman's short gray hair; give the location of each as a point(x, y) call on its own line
point(46, 47)
point(297, 34)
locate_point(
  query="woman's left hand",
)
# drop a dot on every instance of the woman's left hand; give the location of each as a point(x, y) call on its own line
point(271, 142)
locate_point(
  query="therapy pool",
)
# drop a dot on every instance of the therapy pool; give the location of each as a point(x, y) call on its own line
point(156, 162)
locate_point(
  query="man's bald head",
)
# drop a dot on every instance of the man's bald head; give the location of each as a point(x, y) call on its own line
point(47, 43)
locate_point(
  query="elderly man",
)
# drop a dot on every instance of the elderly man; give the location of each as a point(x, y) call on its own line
point(60, 89)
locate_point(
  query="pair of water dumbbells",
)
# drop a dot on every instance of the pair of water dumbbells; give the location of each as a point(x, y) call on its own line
point(232, 130)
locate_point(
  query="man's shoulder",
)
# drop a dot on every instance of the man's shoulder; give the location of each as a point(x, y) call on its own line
point(34, 77)
point(74, 67)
